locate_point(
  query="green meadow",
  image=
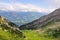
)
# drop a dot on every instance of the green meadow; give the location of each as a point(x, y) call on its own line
point(6, 35)
point(35, 35)
point(30, 35)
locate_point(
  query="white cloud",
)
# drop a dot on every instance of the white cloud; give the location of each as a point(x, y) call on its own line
point(54, 3)
point(22, 7)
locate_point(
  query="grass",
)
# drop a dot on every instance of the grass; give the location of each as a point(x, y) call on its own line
point(34, 35)
point(6, 35)
point(30, 35)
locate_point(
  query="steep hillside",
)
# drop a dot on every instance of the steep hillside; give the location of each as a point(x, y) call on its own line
point(9, 30)
point(42, 21)
point(48, 27)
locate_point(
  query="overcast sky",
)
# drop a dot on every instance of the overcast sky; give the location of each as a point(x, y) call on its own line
point(29, 5)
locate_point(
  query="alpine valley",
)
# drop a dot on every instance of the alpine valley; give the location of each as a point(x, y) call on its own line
point(21, 18)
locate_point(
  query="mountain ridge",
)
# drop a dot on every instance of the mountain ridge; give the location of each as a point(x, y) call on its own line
point(53, 16)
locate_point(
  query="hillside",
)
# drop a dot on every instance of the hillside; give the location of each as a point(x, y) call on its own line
point(9, 30)
point(47, 27)
point(42, 21)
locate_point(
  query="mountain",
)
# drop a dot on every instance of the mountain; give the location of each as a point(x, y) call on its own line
point(21, 18)
point(9, 30)
point(43, 21)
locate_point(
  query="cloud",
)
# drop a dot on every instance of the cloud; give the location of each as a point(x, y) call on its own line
point(54, 3)
point(22, 7)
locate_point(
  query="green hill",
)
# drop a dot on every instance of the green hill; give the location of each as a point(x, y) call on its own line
point(9, 30)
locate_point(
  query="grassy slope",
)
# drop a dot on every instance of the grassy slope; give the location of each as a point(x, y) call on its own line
point(34, 35)
point(5, 35)
point(30, 35)
point(38, 35)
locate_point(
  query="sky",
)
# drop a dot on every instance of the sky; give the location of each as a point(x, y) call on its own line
point(30, 5)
